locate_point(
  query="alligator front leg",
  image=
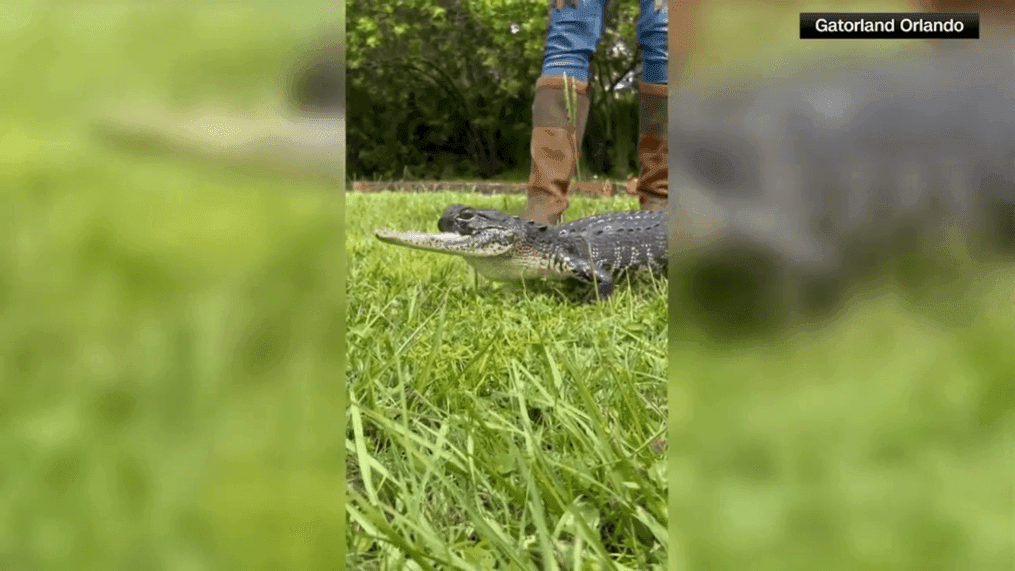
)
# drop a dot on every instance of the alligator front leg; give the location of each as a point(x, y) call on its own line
point(599, 279)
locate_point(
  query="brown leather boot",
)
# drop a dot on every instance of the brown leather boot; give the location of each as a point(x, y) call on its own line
point(555, 144)
point(653, 183)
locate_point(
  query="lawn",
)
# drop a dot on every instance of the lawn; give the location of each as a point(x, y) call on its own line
point(880, 440)
point(495, 423)
point(172, 351)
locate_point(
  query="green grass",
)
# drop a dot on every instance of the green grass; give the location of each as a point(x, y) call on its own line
point(170, 333)
point(882, 440)
point(494, 423)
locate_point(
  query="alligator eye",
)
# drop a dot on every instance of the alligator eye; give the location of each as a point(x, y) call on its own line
point(466, 216)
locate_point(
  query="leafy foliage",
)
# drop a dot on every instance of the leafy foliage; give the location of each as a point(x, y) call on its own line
point(442, 88)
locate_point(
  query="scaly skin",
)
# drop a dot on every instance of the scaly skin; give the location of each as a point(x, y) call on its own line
point(593, 251)
point(821, 176)
point(848, 154)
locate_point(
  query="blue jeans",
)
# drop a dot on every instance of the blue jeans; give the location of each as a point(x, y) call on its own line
point(575, 32)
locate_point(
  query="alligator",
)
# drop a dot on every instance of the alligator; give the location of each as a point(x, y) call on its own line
point(593, 251)
point(847, 167)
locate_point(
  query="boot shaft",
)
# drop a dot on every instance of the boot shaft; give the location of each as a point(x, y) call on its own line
point(550, 105)
point(556, 144)
point(653, 185)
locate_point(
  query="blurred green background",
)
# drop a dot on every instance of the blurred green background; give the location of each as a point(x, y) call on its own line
point(171, 388)
point(881, 440)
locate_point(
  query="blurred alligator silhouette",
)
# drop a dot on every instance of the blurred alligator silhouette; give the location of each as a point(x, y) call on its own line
point(302, 133)
point(787, 188)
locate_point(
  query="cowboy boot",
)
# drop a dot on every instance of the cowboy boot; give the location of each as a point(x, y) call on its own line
point(555, 147)
point(653, 183)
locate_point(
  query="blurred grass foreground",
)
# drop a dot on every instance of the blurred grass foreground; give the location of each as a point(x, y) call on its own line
point(170, 332)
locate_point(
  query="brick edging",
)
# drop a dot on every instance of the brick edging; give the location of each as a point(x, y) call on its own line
point(582, 188)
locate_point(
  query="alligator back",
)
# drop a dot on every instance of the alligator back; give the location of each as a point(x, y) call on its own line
point(619, 241)
point(851, 152)
point(788, 189)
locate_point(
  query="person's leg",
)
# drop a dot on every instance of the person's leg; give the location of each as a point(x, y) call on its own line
point(574, 32)
point(653, 181)
point(573, 35)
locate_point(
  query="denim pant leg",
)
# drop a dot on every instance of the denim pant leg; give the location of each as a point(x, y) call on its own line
point(652, 26)
point(573, 37)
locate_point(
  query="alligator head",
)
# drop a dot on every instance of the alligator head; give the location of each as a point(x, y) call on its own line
point(465, 231)
point(507, 248)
